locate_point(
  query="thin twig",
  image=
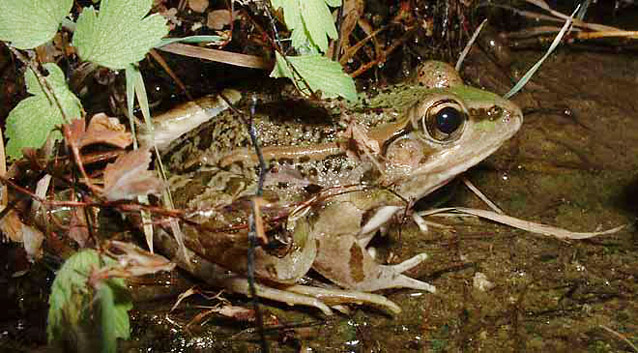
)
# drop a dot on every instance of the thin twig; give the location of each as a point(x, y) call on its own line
point(621, 336)
point(66, 131)
point(252, 234)
point(160, 60)
point(44, 84)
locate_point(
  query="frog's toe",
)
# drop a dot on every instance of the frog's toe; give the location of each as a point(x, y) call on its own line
point(408, 282)
point(403, 281)
point(410, 263)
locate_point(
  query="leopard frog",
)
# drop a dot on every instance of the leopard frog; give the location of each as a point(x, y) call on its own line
point(335, 175)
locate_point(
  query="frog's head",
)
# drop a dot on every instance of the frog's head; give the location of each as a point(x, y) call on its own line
point(449, 129)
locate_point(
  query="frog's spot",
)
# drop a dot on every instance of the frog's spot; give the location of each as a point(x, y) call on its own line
point(356, 263)
point(313, 188)
point(272, 271)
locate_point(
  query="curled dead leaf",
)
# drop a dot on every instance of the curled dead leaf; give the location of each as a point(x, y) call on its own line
point(78, 227)
point(12, 226)
point(101, 129)
point(355, 141)
point(129, 177)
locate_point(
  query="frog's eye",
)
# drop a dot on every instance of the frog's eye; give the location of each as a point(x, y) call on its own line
point(444, 121)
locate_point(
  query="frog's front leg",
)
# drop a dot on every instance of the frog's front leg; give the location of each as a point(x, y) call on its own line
point(343, 259)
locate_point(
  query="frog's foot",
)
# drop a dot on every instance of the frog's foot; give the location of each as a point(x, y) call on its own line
point(345, 262)
point(409, 282)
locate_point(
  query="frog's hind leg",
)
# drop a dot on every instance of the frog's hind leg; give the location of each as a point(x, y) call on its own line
point(335, 297)
point(218, 276)
point(238, 284)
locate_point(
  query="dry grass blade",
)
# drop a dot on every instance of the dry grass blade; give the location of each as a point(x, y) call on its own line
point(608, 34)
point(532, 227)
point(4, 199)
point(160, 60)
point(481, 195)
point(621, 336)
point(528, 75)
point(257, 203)
point(222, 56)
point(468, 46)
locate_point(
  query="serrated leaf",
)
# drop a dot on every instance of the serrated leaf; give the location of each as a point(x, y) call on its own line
point(319, 72)
point(31, 121)
point(318, 21)
point(113, 307)
point(71, 303)
point(309, 20)
point(29, 23)
point(120, 34)
point(69, 294)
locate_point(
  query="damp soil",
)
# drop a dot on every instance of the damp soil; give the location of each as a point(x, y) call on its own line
point(574, 165)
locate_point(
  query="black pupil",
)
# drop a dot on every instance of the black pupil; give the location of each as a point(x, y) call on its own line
point(448, 120)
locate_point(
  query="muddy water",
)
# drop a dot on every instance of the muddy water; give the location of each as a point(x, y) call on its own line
point(574, 164)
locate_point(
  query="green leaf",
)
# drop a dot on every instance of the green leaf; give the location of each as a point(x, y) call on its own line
point(120, 34)
point(319, 72)
point(309, 20)
point(31, 121)
point(113, 306)
point(319, 23)
point(333, 3)
point(70, 296)
point(73, 312)
point(29, 23)
point(191, 39)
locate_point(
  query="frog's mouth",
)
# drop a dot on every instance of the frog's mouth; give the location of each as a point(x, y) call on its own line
point(454, 160)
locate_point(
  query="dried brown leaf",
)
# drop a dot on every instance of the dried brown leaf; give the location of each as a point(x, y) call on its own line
point(129, 177)
point(78, 227)
point(135, 261)
point(355, 141)
point(198, 5)
point(76, 131)
point(237, 312)
point(103, 129)
point(352, 12)
point(218, 19)
point(12, 226)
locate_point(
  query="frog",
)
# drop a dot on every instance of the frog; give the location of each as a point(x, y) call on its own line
point(332, 175)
